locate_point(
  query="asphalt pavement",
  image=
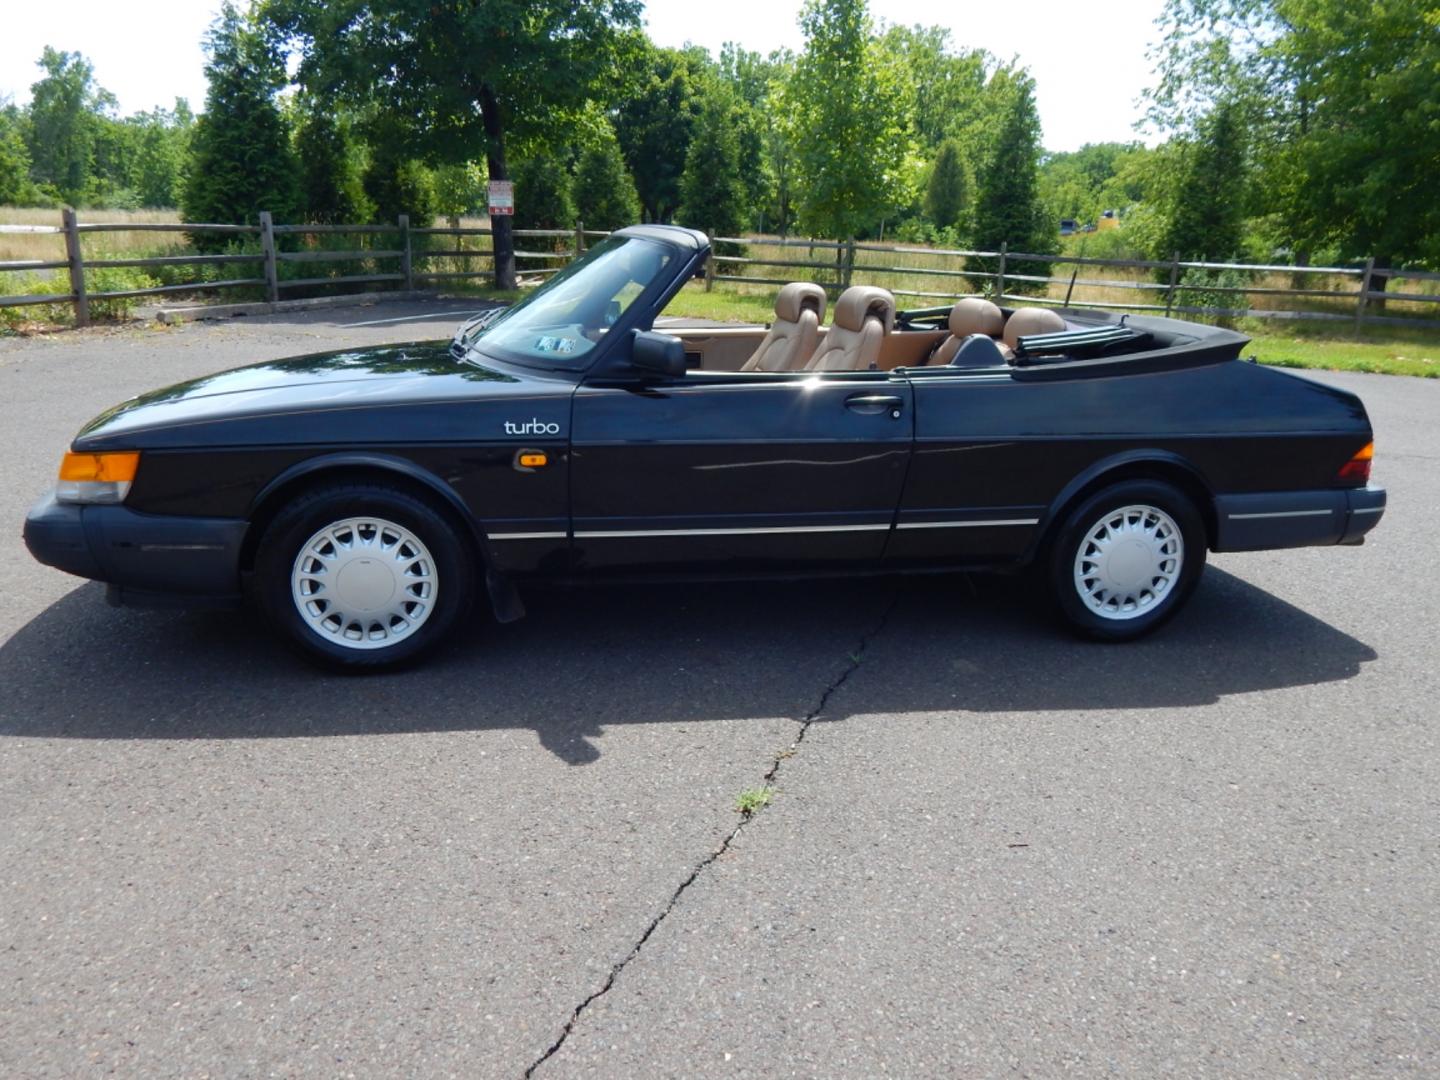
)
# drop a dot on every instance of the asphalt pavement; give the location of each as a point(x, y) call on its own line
point(991, 849)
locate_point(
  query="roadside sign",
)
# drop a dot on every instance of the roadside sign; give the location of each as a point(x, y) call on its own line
point(502, 197)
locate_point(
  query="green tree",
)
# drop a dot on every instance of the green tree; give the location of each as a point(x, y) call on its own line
point(849, 100)
point(331, 188)
point(1339, 100)
point(712, 189)
point(947, 193)
point(15, 186)
point(162, 153)
point(604, 193)
point(1008, 208)
point(542, 193)
point(397, 184)
point(1208, 207)
point(242, 162)
point(465, 77)
point(460, 189)
point(655, 126)
point(949, 88)
point(65, 106)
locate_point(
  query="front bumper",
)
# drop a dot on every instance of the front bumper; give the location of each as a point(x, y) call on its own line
point(148, 559)
point(1284, 519)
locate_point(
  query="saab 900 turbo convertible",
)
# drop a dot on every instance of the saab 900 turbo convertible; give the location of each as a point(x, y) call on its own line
point(367, 498)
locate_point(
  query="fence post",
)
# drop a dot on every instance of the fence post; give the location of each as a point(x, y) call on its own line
point(849, 261)
point(77, 268)
point(1364, 301)
point(1174, 280)
point(407, 266)
point(267, 249)
point(579, 238)
point(710, 265)
point(1000, 274)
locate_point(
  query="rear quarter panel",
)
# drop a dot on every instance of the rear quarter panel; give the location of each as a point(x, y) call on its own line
point(1007, 448)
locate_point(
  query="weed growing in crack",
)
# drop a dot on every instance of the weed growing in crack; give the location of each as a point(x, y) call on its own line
point(752, 799)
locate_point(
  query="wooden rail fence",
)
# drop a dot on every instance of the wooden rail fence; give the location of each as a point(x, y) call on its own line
point(996, 273)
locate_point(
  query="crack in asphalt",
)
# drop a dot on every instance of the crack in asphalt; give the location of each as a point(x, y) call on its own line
point(856, 657)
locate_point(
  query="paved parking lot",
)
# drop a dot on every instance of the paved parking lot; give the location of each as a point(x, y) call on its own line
point(992, 849)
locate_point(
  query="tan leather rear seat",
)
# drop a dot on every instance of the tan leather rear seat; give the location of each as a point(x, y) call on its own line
point(969, 316)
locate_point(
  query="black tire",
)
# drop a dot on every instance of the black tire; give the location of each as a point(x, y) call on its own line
point(425, 552)
point(1147, 588)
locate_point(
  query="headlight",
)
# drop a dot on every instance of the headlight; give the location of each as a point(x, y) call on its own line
point(96, 478)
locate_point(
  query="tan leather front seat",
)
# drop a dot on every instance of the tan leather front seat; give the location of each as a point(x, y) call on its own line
point(791, 340)
point(970, 316)
point(863, 316)
point(1031, 320)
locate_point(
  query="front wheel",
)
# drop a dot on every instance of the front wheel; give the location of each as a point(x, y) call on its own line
point(363, 576)
point(1126, 559)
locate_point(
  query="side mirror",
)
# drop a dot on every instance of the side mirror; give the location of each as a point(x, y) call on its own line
point(658, 353)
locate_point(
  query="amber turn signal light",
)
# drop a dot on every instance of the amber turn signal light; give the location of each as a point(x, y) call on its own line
point(102, 468)
point(1357, 470)
point(96, 478)
point(534, 459)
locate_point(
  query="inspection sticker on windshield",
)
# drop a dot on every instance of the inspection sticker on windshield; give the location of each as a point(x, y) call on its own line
point(555, 344)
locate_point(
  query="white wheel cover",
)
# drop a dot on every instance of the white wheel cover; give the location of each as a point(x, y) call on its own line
point(364, 583)
point(1128, 562)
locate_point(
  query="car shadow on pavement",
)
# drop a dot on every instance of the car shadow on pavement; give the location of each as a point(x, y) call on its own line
point(586, 659)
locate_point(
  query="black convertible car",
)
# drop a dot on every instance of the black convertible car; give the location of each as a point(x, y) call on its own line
point(366, 498)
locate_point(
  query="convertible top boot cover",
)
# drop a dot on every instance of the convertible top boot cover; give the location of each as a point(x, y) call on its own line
point(791, 340)
point(864, 314)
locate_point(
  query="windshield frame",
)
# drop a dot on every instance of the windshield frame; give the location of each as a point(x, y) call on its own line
point(638, 313)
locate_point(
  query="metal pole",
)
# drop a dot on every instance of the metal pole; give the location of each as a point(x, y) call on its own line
point(267, 249)
point(77, 268)
point(1000, 274)
point(710, 265)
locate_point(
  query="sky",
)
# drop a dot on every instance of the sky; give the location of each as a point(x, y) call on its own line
point(1089, 60)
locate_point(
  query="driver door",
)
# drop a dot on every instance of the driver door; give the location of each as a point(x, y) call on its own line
point(736, 472)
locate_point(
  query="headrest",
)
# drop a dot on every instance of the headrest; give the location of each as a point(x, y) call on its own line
point(976, 316)
point(795, 297)
point(1031, 320)
point(860, 301)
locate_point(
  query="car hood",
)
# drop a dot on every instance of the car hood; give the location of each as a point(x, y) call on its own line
point(382, 377)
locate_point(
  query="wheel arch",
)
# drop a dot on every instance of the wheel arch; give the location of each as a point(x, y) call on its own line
point(1152, 464)
point(504, 601)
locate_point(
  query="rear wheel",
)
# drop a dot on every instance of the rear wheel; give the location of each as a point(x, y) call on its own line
point(363, 576)
point(1126, 559)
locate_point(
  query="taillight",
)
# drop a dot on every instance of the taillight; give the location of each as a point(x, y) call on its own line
point(1356, 471)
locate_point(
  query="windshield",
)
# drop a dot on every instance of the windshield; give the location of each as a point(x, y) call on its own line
point(562, 321)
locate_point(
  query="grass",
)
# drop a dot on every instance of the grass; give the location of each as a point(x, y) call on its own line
point(752, 800)
point(1414, 354)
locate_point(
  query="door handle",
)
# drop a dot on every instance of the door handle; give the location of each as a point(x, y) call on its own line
point(875, 404)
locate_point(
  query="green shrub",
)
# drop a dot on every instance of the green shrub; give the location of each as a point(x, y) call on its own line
point(1200, 288)
point(36, 285)
point(116, 279)
point(102, 279)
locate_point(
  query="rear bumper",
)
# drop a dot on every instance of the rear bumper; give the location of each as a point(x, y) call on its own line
point(148, 559)
point(1283, 519)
